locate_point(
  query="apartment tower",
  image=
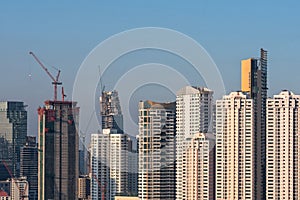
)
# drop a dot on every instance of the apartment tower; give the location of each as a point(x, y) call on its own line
point(157, 150)
point(109, 162)
point(283, 146)
point(235, 147)
point(199, 167)
point(193, 115)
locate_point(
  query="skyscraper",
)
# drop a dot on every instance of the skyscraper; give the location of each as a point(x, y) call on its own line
point(109, 151)
point(13, 131)
point(58, 150)
point(193, 115)
point(110, 111)
point(29, 166)
point(235, 147)
point(254, 82)
point(157, 161)
point(283, 146)
point(198, 167)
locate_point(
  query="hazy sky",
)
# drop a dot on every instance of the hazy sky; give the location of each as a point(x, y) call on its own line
point(62, 33)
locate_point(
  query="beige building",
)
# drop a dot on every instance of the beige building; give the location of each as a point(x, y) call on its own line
point(235, 155)
point(84, 187)
point(283, 146)
point(198, 167)
point(193, 115)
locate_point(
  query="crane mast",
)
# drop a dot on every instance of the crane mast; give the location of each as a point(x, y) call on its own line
point(55, 81)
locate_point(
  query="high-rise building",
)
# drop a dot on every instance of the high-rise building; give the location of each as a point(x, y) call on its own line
point(254, 82)
point(110, 111)
point(198, 167)
point(109, 161)
point(157, 161)
point(193, 115)
point(13, 131)
point(29, 166)
point(283, 146)
point(58, 150)
point(235, 147)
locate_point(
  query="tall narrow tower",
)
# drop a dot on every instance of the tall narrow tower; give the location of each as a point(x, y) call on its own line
point(254, 82)
point(283, 146)
point(235, 152)
point(58, 150)
point(157, 150)
point(193, 115)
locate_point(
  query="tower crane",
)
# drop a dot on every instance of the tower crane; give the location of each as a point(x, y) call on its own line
point(55, 81)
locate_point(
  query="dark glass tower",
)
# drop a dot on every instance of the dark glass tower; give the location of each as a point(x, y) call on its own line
point(29, 166)
point(58, 150)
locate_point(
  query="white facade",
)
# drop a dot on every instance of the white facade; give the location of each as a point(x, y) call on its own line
point(109, 162)
point(235, 156)
point(193, 115)
point(198, 167)
point(283, 145)
point(156, 151)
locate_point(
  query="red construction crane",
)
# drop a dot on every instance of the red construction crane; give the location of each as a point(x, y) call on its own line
point(55, 81)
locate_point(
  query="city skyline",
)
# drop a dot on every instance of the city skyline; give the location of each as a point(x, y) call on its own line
point(152, 100)
point(72, 40)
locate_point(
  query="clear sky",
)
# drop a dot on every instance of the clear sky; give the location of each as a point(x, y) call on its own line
point(62, 33)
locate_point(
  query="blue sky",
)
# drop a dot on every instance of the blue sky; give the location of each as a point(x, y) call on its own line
point(62, 33)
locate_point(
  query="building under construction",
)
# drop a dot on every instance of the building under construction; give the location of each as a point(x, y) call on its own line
point(110, 111)
point(58, 150)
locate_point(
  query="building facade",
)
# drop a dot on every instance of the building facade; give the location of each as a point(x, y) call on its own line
point(254, 82)
point(157, 161)
point(29, 166)
point(13, 132)
point(58, 150)
point(193, 115)
point(283, 146)
point(84, 189)
point(235, 147)
point(109, 162)
point(199, 167)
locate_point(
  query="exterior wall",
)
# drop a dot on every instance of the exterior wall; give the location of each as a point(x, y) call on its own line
point(109, 163)
point(58, 150)
point(198, 167)
point(13, 131)
point(283, 145)
point(29, 169)
point(235, 147)
point(156, 150)
point(193, 115)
